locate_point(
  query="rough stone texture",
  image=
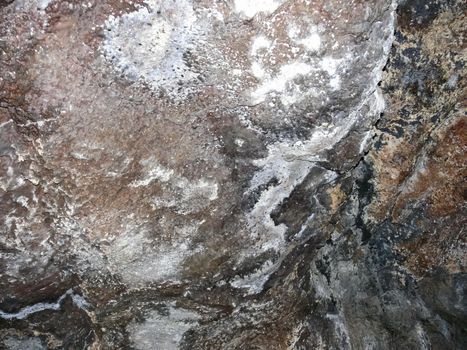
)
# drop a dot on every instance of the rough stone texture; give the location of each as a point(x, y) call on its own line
point(229, 175)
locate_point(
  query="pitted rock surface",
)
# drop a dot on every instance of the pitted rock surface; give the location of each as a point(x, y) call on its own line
point(276, 174)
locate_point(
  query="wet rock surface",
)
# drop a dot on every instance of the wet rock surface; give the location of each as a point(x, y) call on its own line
point(229, 175)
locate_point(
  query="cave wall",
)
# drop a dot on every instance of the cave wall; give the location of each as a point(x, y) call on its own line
point(228, 175)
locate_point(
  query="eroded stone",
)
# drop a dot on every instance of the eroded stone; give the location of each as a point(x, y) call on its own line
point(206, 174)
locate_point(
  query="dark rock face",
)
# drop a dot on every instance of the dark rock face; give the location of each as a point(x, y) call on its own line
point(230, 175)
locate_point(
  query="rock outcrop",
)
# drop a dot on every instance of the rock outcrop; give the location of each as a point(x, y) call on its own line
point(209, 174)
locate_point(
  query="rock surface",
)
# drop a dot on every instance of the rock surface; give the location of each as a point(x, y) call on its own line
point(211, 174)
